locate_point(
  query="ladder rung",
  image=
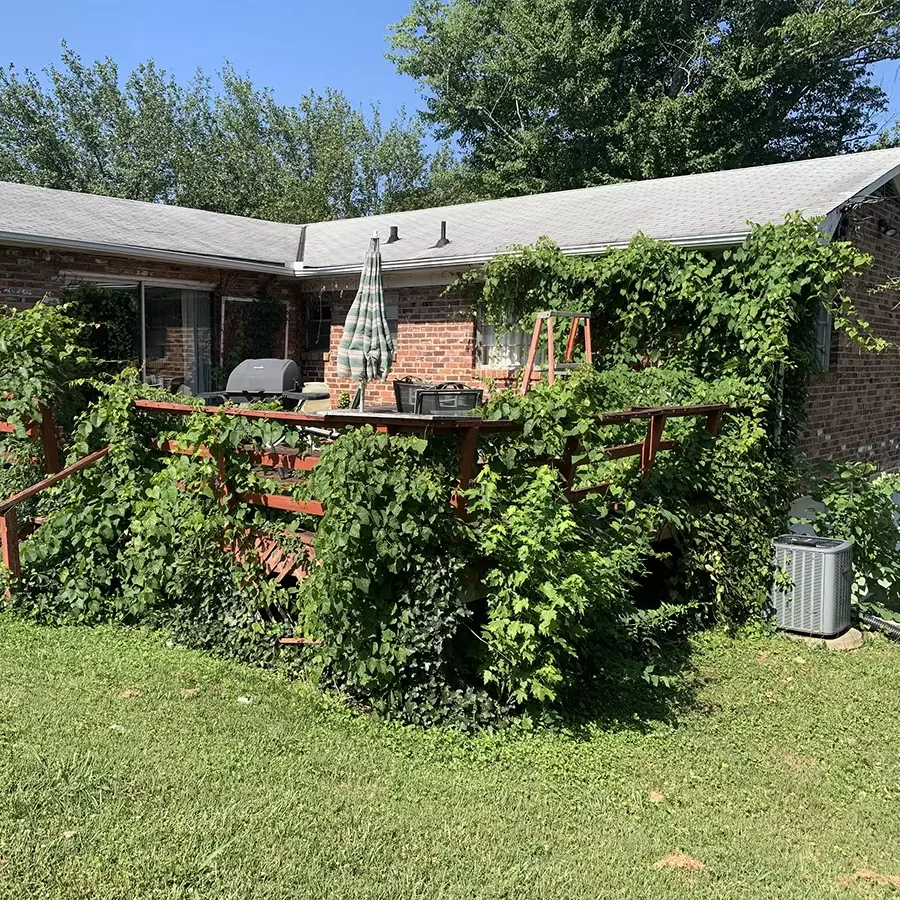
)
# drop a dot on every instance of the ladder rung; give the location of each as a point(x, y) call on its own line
point(561, 313)
point(558, 367)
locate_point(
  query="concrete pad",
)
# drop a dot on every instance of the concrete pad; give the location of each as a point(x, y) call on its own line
point(851, 639)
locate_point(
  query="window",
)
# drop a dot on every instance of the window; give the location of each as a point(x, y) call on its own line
point(318, 320)
point(822, 353)
point(177, 338)
point(392, 313)
point(505, 350)
point(318, 325)
point(172, 333)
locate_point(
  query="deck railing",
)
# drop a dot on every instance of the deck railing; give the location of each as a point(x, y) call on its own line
point(279, 563)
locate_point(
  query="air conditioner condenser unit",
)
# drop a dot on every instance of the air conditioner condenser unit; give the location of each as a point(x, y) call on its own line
point(811, 590)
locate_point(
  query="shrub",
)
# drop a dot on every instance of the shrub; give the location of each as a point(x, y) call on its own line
point(859, 506)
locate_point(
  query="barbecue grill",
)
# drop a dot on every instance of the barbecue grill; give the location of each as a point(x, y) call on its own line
point(255, 380)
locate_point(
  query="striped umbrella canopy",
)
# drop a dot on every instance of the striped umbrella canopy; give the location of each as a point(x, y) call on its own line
point(366, 350)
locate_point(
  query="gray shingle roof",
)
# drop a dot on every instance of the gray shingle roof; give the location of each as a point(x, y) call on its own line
point(694, 209)
point(66, 215)
point(689, 209)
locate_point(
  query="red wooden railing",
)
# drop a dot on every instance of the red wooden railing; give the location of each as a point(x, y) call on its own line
point(276, 562)
point(44, 431)
point(10, 535)
point(280, 563)
point(646, 449)
point(467, 430)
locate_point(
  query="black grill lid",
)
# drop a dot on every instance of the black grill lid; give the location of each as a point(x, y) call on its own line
point(264, 376)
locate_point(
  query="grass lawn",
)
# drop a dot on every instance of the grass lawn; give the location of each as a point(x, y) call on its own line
point(129, 769)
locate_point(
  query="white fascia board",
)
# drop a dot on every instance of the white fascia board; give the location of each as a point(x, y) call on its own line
point(84, 275)
point(191, 259)
point(461, 263)
point(877, 183)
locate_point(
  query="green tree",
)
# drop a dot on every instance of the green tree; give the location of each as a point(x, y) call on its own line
point(556, 94)
point(219, 144)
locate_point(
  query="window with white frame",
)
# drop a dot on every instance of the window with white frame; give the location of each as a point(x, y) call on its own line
point(824, 329)
point(501, 348)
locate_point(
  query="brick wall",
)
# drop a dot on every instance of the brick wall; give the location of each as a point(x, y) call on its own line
point(435, 342)
point(854, 409)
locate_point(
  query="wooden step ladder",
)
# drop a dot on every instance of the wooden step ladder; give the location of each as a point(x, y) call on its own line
point(578, 318)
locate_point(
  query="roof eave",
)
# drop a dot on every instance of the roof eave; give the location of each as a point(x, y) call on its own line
point(124, 250)
point(459, 263)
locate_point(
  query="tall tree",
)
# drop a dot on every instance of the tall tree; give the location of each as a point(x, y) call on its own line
point(554, 94)
point(221, 144)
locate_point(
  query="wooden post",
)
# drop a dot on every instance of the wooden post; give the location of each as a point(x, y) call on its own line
point(551, 370)
point(9, 539)
point(570, 343)
point(49, 441)
point(468, 454)
point(532, 353)
point(651, 443)
point(222, 479)
point(567, 466)
point(714, 422)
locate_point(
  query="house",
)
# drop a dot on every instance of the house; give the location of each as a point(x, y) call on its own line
point(190, 273)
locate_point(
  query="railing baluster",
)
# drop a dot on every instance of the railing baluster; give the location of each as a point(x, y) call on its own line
point(9, 538)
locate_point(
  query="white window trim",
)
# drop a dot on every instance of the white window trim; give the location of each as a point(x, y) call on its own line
point(150, 282)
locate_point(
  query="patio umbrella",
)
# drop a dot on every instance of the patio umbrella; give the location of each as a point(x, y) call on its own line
point(366, 349)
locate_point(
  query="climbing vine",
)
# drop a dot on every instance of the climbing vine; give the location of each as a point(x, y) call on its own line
point(112, 334)
point(255, 331)
point(528, 604)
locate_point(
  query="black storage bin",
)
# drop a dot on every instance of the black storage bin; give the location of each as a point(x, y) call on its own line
point(448, 402)
point(405, 390)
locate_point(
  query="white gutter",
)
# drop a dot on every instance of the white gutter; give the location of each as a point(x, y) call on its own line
point(446, 263)
point(304, 271)
point(194, 259)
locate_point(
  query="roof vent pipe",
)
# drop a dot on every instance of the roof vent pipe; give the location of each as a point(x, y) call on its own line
point(393, 237)
point(443, 240)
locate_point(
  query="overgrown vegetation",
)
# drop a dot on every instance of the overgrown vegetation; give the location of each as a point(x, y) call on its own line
point(114, 330)
point(854, 502)
point(530, 605)
point(256, 331)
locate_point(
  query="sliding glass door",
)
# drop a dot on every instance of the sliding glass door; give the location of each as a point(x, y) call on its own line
point(172, 334)
point(177, 340)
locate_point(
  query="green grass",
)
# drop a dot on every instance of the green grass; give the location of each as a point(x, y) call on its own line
point(129, 769)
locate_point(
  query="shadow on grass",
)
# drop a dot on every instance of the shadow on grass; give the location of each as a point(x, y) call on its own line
point(627, 696)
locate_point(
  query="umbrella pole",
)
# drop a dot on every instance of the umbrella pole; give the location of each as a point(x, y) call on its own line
point(362, 395)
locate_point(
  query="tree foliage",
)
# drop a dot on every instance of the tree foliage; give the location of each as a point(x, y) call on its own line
point(222, 145)
point(560, 94)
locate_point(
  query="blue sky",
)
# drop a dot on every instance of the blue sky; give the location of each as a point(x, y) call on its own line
point(289, 46)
